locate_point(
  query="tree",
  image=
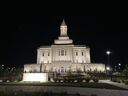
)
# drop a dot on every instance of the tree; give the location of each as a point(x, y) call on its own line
point(125, 71)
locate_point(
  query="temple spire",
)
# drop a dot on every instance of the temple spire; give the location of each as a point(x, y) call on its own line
point(63, 29)
point(63, 23)
point(63, 38)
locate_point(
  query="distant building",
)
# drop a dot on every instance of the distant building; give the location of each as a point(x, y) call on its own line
point(63, 56)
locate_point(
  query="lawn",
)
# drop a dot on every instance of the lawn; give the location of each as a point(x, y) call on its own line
point(82, 84)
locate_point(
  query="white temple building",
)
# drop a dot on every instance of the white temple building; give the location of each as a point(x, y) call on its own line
point(63, 56)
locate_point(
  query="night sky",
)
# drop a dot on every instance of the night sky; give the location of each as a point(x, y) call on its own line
point(24, 30)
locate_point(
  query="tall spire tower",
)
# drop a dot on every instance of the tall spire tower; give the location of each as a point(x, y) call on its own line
point(63, 29)
point(63, 38)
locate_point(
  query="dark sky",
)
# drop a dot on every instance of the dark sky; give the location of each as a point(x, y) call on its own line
point(24, 29)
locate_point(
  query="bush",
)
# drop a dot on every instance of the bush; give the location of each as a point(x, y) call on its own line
point(95, 79)
point(114, 79)
point(87, 79)
point(118, 81)
point(65, 80)
point(126, 82)
point(5, 80)
point(123, 80)
point(71, 80)
point(59, 80)
point(55, 79)
point(79, 80)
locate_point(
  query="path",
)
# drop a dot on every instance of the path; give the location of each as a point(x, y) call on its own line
point(121, 85)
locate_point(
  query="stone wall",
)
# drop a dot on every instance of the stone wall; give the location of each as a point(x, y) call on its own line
point(64, 66)
point(35, 77)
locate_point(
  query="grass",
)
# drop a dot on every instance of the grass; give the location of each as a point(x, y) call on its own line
point(41, 93)
point(82, 84)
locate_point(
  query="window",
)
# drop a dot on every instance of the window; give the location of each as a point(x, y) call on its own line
point(42, 53)
point(62, 52)
point(82, 53)
point(59, 52)
point(65, 53)
point(48, 53)
point(76, 53)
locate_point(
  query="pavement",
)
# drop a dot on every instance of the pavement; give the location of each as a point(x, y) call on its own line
point(121, 85)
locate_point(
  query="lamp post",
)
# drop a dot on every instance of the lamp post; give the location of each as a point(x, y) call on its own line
point(119, 67)
point(108, 67)
point(108, 53)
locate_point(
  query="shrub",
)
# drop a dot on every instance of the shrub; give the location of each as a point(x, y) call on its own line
point(71, 80)
point(114, 79)
point(55, 79)
point(123, 80)
point(118, 81)
point(87, 79)
point(59, 80)
point(126, 82)
point(79, 80)
point(65, 80)
point(95, 79)
point(5, 80)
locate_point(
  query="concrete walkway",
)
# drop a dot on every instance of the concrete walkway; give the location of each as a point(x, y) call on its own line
point(121, 85)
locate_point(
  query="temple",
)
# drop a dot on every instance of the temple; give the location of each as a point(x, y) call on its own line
point(63, 56)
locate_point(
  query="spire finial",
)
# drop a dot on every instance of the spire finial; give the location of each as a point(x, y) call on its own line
point(63, 23)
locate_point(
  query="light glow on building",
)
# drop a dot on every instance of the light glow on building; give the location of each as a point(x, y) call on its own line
point(35, 77)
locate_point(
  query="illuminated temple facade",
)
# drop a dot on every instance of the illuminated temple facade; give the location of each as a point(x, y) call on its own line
point(63, 56)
